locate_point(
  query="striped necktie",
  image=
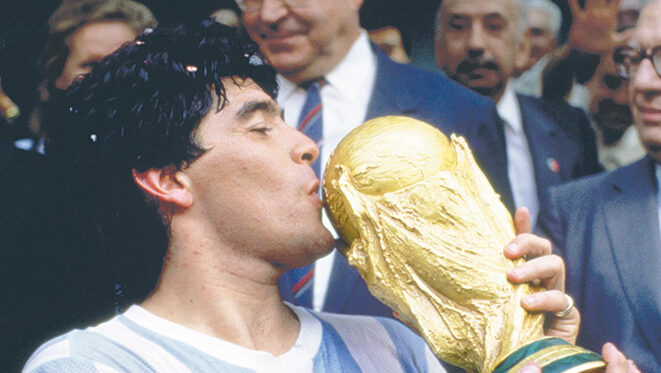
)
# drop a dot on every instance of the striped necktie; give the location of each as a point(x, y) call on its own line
point(310, 121)
point(311, 124)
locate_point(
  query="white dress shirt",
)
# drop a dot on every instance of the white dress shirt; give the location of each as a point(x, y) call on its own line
point(520, 168)
point(344, 99)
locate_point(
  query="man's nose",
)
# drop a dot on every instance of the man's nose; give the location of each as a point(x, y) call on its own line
point(476, 40)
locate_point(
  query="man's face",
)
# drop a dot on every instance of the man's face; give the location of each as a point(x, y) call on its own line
point(90, 44)
point(478, 45)
point(609, 102)
point(306, 41)
point(542, 39)
point(254, 186)
point(645, 85)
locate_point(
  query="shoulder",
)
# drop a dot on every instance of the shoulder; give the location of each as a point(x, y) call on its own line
point(428, 85)
point(63, 354)
point(590, 190)
point(587, 188)
point(560, 112)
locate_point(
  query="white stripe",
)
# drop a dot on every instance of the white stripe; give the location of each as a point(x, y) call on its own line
point(161, 361)
point(304, 288)
point(100, 368)
point(357, 332)
point(56, 351)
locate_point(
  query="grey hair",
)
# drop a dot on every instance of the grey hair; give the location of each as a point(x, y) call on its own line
point(521, 25)
point(552, 11)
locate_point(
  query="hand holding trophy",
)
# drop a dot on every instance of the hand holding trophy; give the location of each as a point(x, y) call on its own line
point(426, 231)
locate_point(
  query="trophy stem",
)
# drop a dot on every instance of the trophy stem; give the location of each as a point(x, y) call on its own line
point(554, 355)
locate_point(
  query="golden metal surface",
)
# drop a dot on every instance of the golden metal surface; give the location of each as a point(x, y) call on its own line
point(427, 232)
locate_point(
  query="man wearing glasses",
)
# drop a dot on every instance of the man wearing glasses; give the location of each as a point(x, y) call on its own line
point(607, 226)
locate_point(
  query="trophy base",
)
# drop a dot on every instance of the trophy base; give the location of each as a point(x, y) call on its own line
point(554, 355)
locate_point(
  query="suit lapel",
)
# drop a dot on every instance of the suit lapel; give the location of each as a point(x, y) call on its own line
point(386, 97)
point(632, 224)
point(541, 135)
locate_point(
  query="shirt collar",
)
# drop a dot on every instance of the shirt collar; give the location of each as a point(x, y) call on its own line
point(508, 109)
point(348, 76)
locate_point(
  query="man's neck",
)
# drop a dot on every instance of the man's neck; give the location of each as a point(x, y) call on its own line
point(197, 291)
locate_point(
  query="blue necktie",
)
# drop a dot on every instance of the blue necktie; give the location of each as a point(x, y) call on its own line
point(310, 121)
point(311, 124)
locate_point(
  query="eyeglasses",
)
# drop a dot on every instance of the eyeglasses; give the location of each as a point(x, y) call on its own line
point(628, 59)
point(253, 6)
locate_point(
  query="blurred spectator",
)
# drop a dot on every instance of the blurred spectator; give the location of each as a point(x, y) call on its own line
point(607, 227)
point(389, 39)
point(617, 141)
point(597, 28)
point(543, 21)
point(81, 33)
point(479, 43)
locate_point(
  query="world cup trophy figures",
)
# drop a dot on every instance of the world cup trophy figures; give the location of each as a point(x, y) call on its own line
point(426, 230)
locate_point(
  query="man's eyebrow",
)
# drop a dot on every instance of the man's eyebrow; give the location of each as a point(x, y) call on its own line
point(249, 108)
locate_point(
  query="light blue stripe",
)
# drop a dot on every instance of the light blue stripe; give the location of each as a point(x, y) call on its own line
point(410, 347)
point(65, 365)
point(333, 355)
point(98, 348)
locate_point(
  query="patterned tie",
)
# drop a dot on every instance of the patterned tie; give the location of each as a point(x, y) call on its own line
point(310, 121)
point(311, 124)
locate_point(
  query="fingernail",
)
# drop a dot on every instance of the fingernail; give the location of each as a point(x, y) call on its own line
point(512, 248)
point(529, 301)
point(529, 368)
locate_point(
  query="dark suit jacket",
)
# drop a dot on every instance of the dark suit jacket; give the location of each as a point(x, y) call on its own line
point(561, 143)
point(607, 229)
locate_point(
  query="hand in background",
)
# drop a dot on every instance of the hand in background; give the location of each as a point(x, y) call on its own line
point(593, 29)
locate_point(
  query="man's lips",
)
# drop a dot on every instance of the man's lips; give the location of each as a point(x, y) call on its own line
point(313, 192)
point(650, 114)
point(313, 187)
point(278, 38)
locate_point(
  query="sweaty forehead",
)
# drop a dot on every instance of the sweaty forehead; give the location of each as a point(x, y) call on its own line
point(648, 31)
point(508, 9)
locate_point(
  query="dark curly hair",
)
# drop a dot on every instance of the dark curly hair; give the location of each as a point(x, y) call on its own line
point(139, 109)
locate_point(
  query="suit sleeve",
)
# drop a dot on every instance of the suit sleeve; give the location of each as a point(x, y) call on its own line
point(550, 223)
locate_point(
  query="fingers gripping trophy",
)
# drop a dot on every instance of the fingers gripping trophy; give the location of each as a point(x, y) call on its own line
point(426, 230)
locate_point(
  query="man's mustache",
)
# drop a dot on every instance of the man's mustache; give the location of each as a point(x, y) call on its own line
point(607, 105)
point(469, 65)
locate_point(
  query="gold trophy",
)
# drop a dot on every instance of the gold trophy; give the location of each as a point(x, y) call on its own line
point(426, 231)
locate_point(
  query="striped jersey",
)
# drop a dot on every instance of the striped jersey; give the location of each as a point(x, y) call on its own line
point(139, 341)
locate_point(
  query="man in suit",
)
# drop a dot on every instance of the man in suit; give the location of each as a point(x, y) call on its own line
point(607, 226)
point(323, 40)
point(480, 43)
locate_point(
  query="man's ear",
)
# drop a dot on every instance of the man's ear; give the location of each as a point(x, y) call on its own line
point(166, 184)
